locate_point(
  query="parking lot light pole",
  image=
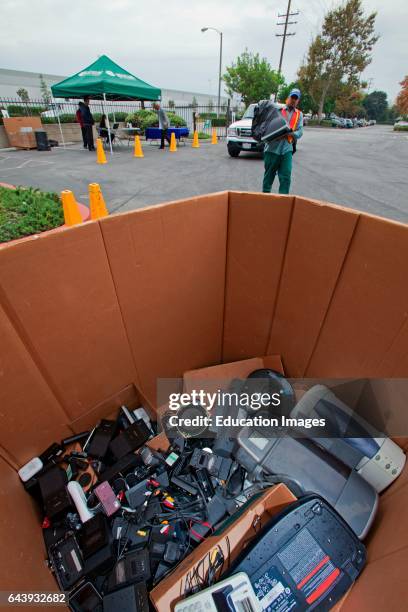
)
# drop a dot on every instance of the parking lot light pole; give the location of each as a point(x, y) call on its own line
point(220, 67)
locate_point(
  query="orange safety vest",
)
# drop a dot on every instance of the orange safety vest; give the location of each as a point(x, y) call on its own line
point(293, 122)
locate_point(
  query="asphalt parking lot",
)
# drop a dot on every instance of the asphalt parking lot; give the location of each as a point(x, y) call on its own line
point(362, 168)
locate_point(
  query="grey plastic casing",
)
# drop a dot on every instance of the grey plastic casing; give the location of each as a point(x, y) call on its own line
point(381, 469)
point(313, 470)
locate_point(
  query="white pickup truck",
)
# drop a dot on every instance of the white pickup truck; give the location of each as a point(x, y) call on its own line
point(239, 134)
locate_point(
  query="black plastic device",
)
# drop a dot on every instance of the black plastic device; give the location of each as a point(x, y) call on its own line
point(123, 465)
point(94, 535)
point(133, 598)
point(305, 558)
point(217, 466)
point(85, 598)
point(54, 492)
point(98, 444)
point(134, 567)
point(129, 440)
point(66, 561)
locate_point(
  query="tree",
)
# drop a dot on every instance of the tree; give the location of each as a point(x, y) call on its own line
point(376, 105)
point(194, 102)
point(23, 94)
point(392, 114)
point(172, 104)
point(210, 105)
point(45, 90)
point(340, 53)
point(252, 78)
point(402, 98)
point(349, 101)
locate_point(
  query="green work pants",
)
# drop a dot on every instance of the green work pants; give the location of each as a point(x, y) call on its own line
point(281, 164)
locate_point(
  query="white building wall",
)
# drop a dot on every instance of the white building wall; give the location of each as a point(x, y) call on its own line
point(12, 80)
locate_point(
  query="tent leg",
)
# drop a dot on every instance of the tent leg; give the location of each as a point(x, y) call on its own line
point(107, 120)
point(59, 124)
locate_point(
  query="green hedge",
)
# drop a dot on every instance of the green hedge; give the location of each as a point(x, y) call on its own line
point(147, 118)
point(26, 211)
point(65, 118)
point(219, 122)
point(201, 135)
point(17, 110)
point(400, 128)
point(71, 118)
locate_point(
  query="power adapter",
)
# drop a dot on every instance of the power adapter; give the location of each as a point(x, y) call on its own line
point(215, 512)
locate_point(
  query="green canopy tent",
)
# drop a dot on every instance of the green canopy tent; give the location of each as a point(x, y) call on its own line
point(105, 80)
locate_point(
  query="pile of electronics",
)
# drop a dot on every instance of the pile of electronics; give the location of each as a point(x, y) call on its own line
point(118, 516)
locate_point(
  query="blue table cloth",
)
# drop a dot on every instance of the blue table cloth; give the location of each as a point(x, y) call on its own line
point(154, 133)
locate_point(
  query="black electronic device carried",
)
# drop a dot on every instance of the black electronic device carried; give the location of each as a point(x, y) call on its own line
point(133, 598)
point(134, 567)
point(98, 443)
point(54, 492)
point(85, 598)
point(305, 558)
point(129, 440)
point(268, 123)
point(66, 561)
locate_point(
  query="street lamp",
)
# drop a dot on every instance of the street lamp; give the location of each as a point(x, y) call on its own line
point(220, 67)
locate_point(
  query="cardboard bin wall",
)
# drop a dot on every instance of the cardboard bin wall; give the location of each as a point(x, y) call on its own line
point(91, 313)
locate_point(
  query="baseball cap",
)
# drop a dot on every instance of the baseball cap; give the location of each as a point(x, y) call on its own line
point(295, 92)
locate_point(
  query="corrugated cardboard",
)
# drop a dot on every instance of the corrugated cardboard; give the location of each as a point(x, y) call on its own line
point(231, 540)
point(17, 138)
point(228, 371)
point(91, 314)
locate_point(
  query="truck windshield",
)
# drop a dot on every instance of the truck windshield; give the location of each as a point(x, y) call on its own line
point(249, 113)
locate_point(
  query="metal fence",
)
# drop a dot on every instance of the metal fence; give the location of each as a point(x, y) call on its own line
point(202, 118)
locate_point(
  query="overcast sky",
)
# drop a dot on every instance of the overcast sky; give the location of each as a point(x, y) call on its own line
point(161, 41)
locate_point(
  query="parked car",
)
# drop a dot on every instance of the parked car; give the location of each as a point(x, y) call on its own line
point(339, 122)
point(349, 123)
point(239, 136)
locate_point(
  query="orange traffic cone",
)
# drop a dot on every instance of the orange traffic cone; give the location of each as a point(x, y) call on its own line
point(72, 216)
point(100, 153)
point(214, 138)
point(138, 152)
point(97, 202)
point(173, 144)
point(196, 142)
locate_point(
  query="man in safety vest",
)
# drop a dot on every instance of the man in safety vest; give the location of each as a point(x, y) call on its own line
point(278, 153)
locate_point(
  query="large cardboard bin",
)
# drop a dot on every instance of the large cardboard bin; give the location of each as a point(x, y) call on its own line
point(89, 313)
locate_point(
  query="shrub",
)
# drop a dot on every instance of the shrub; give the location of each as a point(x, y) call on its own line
point(201, 135)
point(400, 128)
point(219, 122)
point(176, 120)
point(120, 116)
point(26, 211)
point(65, 118)
point(142, 119)
point(147, 118)
point(25, 110)
point(208, 115)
